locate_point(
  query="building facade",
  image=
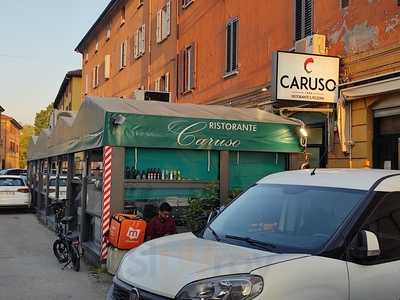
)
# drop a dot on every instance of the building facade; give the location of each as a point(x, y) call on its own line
point(69, 96)
point(132, 46)
point(9, 142)
point(221, 52)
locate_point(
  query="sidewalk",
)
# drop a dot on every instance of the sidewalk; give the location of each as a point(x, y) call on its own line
point(29, 270)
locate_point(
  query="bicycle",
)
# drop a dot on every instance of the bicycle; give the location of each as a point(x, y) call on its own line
point(66, 246)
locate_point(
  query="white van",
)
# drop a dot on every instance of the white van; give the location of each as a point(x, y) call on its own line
point(312, 235)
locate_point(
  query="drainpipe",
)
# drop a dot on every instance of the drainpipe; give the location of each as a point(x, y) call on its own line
point(350, 141)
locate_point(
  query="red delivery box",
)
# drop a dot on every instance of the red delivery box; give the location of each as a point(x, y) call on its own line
point(127, 231)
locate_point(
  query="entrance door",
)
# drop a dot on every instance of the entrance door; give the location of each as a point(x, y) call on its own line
point(387, 143)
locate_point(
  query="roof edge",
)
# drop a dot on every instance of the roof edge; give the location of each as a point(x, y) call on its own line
point(105, 12)
point(67, 77)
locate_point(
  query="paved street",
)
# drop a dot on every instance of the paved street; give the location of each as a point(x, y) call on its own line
point(28, 269)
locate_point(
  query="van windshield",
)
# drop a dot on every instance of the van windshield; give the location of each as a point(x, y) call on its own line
point(286, 217)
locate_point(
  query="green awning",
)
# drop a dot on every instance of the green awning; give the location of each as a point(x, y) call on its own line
point(152, 124)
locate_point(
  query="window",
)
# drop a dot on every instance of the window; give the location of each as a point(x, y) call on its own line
point(385, 223)
point(304, 18)
point(186, 3)
point(86, 84)
point(107, 66)
point(122, 15)
point(108, 32)
point(162, 83)
point(345, 3)
point(163, 22)
point(231, 46)
point(140, 45)
point(187, 69)
point(95, 77)
point(122, 55)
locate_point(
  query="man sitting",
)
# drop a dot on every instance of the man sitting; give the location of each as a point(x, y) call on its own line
point(163, 224)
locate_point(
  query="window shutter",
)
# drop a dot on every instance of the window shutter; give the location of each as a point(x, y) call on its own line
point(167, 29)
point(102, 73)
point(120, 56)
point(157, 85)
point(299, 20)
point(143, 40)
point(181, 71)
point(86, 84)
point(137, 44)
point(159, 24)
point(308, 18)
point(167, 82)
point(93, 78)
point(125, 45)
point(192, 66)
point(97, 75)
point(107, 66)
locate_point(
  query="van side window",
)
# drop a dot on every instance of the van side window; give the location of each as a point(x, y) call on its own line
point(385, 223)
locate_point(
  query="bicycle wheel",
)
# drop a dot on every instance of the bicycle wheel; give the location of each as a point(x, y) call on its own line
point(60, 249)
point(75, 258)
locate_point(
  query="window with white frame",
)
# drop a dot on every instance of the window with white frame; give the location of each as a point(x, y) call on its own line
point(122, 55)
point(304, 14)
point(140, 41)
point(163, 22)
point(186, 3)
point(231, 46)
point(187, 69)
point(162, 83)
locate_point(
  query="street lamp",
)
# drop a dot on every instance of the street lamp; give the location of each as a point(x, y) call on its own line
point(1, 142)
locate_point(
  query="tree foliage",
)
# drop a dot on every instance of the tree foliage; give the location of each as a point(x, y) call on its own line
point(26, 133)
point(42, 119)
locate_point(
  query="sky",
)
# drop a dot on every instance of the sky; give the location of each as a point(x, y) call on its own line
point(37, 42)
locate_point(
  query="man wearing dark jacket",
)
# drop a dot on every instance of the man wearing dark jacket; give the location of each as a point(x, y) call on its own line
point(163, 224)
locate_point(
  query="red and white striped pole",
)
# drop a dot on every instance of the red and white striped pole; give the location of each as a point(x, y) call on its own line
point(106, 212)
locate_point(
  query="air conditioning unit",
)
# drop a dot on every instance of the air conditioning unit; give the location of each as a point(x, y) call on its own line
point(312, 44)
point(144, 95)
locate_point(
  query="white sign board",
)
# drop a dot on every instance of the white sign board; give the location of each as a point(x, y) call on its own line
point(305, 77)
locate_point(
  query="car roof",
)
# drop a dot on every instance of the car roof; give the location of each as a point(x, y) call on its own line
point(358, 179)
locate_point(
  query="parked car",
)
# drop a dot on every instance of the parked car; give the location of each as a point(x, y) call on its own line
point(17, 172)
point(14, 192)
point(329, 234)
point(62, 188)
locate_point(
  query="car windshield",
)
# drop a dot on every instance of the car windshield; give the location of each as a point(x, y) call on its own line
point(285, 217)
point(63, 182)
point(11, 182)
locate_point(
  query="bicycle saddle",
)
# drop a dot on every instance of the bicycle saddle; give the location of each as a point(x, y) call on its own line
point(67, 220)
